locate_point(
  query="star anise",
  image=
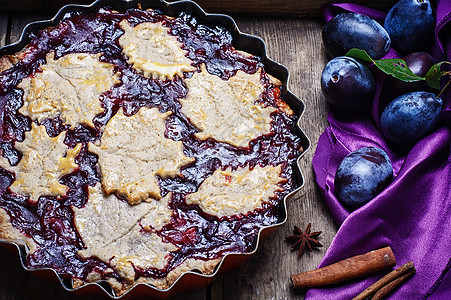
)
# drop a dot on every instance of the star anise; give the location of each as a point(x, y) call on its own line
point(304, 240)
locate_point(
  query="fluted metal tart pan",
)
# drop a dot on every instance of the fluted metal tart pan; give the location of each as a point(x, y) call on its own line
point(241, 41)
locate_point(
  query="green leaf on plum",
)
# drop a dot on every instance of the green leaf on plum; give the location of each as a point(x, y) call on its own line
point(393, 66)
point(398, 68)
point(361, 54)
point(434, 74)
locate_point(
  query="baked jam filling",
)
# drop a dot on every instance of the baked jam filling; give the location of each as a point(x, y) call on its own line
point(137, 146)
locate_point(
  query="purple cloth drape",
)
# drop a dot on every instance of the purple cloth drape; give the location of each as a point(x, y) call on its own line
point(413, 214)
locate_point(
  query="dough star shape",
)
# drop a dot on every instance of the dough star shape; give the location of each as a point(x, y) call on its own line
point(133, 151)
point(45, 160)
point(225, 109)
point(68, 87)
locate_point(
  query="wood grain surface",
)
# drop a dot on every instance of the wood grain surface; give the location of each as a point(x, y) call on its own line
point(249, 7)
point(296, 43)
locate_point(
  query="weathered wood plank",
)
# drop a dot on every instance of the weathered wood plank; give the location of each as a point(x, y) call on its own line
point(296, 43)
point(202, 294)
point(3, 29)
point(252, 7)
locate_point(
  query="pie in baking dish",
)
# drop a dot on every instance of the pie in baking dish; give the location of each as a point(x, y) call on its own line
point(137, 146)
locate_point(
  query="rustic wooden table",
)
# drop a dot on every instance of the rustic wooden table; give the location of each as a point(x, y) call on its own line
point(296, 43)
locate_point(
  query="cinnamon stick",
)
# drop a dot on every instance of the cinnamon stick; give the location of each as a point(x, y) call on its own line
point(389, 282)
point(347, 269)
point(391, 286)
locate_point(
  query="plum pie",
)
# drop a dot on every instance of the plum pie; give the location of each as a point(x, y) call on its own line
point(136, 146)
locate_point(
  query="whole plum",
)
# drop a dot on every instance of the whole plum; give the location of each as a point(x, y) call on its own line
point(410, 117)
point(346, 83)
point(410, 24)
point(419, 63)
point(350, 30)
point(362, 175)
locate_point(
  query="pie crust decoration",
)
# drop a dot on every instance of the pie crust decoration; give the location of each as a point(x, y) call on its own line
point(45, 160)
point(68, 87)
point(152, 51)
point(133, 151)
point(213, 104)
point(228, 193)
point(113, 237)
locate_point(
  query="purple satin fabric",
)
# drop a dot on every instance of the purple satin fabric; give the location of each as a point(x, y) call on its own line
point(413, 214)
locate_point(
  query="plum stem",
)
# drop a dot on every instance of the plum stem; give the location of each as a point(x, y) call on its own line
point(445, 87)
